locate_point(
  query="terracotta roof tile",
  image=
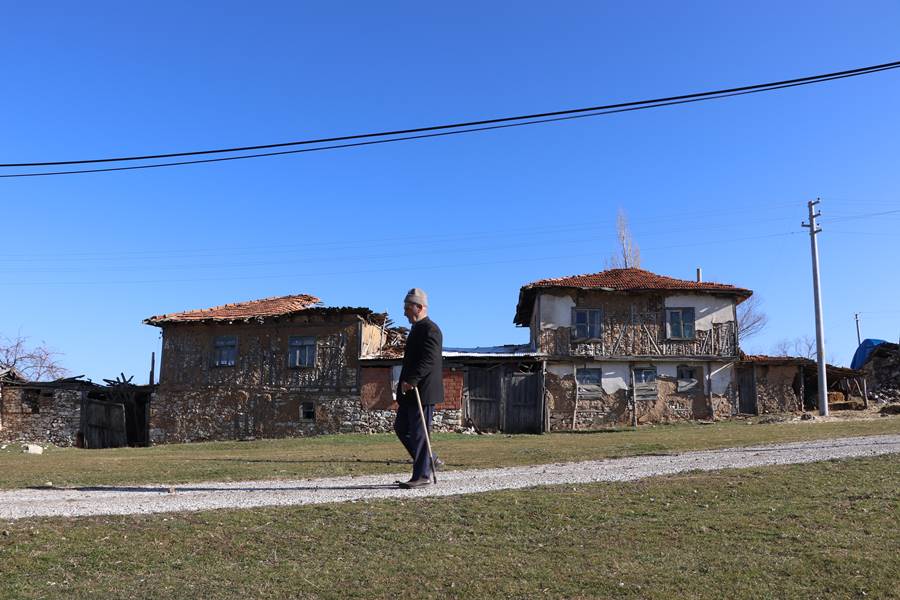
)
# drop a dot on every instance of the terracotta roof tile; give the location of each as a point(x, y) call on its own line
point(619, 280)
point(635, 280)
point(239, 311)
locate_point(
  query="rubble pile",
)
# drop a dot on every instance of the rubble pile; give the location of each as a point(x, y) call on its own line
point(883, 374)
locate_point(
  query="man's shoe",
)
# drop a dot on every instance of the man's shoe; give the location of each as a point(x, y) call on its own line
point(415, 483)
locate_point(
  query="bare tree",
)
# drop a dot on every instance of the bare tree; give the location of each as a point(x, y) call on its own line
point(628, 254)
point(38, 363)
point(804, 346)
point(751, 318)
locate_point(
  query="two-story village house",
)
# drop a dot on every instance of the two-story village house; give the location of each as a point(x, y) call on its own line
point(629, 346)
point(269, 368)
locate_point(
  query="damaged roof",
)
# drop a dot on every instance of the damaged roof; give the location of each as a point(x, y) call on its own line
point(619, 280)
point(254, 310)
point(765, 359)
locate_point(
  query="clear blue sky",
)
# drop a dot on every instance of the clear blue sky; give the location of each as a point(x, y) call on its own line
point(471, 218)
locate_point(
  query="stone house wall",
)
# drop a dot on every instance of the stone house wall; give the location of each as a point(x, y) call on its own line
point(262, 396)
point(778, 389)
point(610, 404)
point(39, 414)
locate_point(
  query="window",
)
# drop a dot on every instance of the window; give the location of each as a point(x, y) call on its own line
point(686, 378)
point(301, 351)
point(587, 322)
point(680, 323)
point(31, 401)
point(589, 381)
point(225, 351)
point(307, 411)
point(686, 372)
point(589, 376)
point(645, 375)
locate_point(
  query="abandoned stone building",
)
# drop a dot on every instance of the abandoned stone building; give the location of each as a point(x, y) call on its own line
point(72, 412)
point(627, 346)
point(276, 367)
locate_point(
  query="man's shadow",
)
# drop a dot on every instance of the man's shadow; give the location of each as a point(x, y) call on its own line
point(174, 489)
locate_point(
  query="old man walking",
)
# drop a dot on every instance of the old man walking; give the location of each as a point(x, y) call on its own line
point(422, 369)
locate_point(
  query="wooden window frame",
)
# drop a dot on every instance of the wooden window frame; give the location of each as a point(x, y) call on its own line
point(599, 323)
point(644, 369)
point(299, 356)
point(679, 371)
point(681, 310)
point(307, 406)
point(580, 370)
point(222, 349)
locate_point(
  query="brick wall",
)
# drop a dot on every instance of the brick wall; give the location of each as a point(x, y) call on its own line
point(375, 388)
point(376, 392)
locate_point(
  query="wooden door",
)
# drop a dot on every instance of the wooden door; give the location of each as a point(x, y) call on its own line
point(746, 391)
point(484, 397)
point(523, 404)
point(103, 424)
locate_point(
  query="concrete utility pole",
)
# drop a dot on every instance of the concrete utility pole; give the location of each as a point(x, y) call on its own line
point(817, 294)
point(858, 339)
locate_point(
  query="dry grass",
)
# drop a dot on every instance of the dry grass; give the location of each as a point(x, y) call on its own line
point(372, 454)
point(824, 530)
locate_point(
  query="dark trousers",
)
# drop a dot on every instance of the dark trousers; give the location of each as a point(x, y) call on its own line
point(408, 426)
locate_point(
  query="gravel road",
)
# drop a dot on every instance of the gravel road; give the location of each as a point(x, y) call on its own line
point(124, 500)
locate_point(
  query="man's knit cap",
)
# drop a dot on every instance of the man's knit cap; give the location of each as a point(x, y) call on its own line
point(417, 296)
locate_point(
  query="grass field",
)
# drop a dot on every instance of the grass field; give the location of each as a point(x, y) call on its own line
point(823, 530)
point(372, 454)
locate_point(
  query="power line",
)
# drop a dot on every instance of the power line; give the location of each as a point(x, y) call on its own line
point(413, 268)
point(465, 242)
point(442, 130)
point(664, 220)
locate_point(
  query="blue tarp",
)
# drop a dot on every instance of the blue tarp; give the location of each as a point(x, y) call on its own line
point(863, 352)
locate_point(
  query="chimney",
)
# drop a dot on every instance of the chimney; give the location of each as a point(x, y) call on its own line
point(699, 275)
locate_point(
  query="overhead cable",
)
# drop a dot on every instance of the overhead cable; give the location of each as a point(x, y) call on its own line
point(437, 130)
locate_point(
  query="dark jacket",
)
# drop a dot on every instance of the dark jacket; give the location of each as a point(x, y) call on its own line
point(422, 364)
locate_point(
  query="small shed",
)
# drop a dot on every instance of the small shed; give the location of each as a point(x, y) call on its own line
point(74, 412)
point(775, 384)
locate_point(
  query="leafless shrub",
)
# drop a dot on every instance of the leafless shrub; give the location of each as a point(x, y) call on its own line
point(35, 363)
point(803, 346)
point(751, 318)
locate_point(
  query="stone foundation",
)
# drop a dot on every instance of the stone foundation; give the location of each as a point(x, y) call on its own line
point(191, 415)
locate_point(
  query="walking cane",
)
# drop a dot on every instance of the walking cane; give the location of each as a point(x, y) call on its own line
point(427, 436)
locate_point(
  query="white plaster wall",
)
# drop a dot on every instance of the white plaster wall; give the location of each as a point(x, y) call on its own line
point(559, 369)
point(722, 376)
point(707, 309)
point(556, 311)
point(667, 369)
point(615, 377)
